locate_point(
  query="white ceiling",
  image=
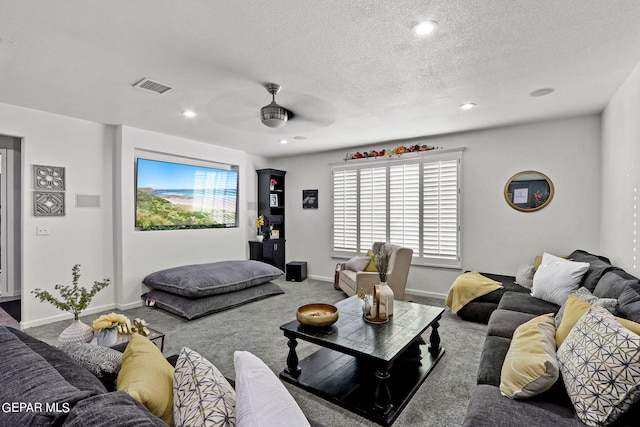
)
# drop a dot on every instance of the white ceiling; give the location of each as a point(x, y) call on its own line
point(350, 70)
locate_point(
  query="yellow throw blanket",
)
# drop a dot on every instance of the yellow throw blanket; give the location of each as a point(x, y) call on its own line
point(467, 287)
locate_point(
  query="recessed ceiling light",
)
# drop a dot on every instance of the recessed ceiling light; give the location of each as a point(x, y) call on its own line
point(283, 141)
point(467, 106)
point(424, 28)
point(542, 92)
point(189, 113)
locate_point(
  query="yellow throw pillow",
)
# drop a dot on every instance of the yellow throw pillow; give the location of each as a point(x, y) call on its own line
point(530, 366)
point(632, 326)
point(574, 310)
point(371, 267)
point(146, 376)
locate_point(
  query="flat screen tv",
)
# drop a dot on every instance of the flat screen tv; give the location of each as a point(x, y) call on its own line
point(173, 196)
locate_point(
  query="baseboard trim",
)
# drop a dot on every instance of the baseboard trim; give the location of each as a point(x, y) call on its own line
point(64, 316)
point(129, 305)
point(321, 278)
point(420, 293)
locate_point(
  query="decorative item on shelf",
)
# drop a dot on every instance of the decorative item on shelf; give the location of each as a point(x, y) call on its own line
point(73, 299)
point(317, 315)
point(272, 184)
point(259, 225)
point(402, 149)
point(381, 260)
point(108, 326)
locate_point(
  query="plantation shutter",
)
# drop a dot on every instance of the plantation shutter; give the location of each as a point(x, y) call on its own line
point(345, 210)
point(413, 203)
point(440, 213)
point(404, 206)
point(373, 207)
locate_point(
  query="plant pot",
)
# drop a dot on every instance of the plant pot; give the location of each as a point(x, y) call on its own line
point(76, 332)
point(107, 337)
point(259, 238)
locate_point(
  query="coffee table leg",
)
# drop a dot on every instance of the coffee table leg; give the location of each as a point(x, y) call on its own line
point(434, 340)
point(292, 359)
point(382, 398)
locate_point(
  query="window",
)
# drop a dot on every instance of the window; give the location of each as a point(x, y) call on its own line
point(412, 202)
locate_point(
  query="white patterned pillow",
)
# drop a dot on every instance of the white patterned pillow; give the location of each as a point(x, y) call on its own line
point(600, 365)
point(201, 394)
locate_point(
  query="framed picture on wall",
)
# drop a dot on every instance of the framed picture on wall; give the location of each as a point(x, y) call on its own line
point(273, 200)
point(309, 199)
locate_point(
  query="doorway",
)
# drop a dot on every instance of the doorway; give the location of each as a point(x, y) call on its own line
point(10, 225)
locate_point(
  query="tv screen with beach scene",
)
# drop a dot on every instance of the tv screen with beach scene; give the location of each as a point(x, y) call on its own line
point(172, 196)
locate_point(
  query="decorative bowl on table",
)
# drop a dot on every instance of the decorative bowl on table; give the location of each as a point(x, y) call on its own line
point(317, 314)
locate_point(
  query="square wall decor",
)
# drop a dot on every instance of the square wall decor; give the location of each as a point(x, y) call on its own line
point(49, 178)
point(48, 203)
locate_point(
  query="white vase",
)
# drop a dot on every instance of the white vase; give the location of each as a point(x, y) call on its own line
point(386, 297)
point(76, 332)
point(259, 237)
point(107, 337)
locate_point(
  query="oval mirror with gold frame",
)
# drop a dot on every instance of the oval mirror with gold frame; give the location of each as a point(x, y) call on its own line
point(528, 191)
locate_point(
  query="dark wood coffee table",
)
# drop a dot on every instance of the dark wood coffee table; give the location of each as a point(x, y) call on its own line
point(370, 369)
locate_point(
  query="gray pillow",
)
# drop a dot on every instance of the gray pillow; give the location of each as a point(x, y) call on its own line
point(357, 263)
point(100, 361)
point(201, 280)
point(613, 283)
point(630, 303)
point(192, 308)
point(524, 276)
point(610, 304)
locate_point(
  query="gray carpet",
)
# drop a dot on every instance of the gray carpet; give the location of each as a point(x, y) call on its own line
point(440, 401)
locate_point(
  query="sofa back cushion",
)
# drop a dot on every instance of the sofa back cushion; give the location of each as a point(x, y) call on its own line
point(28, 379)
point(630, 302)
point(613, 283)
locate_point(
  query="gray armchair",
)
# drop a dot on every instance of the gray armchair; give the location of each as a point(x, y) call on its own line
point(399, 263)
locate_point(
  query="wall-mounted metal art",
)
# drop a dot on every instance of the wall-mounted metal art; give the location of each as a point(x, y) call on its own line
point(48, 203)
point(48, 178)
point(48, 199)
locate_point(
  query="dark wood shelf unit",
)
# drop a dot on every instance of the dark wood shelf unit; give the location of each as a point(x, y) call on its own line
point(271, 251)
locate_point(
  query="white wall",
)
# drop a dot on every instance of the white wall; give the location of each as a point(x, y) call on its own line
point(496, 238)
point(619, 230)
point(142, 252)
point(84, 235)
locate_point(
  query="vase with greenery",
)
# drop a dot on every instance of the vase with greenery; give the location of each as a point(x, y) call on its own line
point(73, 299)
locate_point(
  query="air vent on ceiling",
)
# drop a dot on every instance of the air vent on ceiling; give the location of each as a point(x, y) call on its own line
point(156, 87)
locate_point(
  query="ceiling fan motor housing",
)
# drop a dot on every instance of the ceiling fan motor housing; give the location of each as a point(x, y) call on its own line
point(273, 115)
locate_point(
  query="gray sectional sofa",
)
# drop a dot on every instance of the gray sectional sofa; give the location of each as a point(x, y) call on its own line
point(487, 406)
point(43, 386)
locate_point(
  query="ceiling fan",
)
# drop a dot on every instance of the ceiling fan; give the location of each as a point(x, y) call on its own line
point(273, 115)
point(303, 113)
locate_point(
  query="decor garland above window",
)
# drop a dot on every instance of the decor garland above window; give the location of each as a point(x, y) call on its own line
point(402, 149)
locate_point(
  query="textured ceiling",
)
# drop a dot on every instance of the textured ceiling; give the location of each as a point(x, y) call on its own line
point(351, 71)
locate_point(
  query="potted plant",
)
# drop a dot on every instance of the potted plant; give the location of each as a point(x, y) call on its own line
point(73, 299)
point(107, 328)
